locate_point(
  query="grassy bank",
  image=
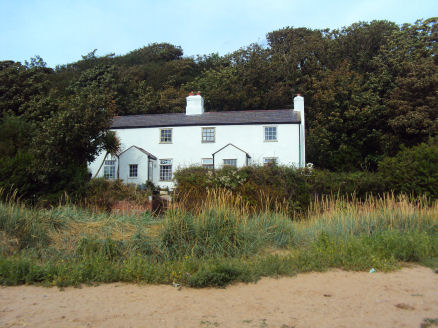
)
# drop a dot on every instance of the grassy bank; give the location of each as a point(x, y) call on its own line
point(220, 243)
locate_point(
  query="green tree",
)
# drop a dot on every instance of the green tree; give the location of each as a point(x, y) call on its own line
point(341, 132)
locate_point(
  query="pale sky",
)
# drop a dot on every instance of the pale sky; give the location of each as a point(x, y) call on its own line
point(60, 31)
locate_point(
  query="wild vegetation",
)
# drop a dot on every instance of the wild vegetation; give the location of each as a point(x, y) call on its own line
point(414, 171)
point(371, 126)
point(223, 242)
point(370, 89)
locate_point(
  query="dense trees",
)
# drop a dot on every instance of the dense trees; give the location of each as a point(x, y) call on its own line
point(370, 89)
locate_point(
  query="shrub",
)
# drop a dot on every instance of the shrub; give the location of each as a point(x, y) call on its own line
point(413, 170)
point(101, 193)
point(274, 187)
point(361, 184)
point(219, 275)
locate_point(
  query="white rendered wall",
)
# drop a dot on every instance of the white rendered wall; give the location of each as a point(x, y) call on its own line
point(133, 156)
point(188, 149)
point(94, 166)
point(229, 152)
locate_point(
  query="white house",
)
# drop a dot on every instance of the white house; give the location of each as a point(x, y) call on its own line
point(154, 146)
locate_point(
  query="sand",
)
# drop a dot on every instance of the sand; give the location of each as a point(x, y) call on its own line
point(333, 299)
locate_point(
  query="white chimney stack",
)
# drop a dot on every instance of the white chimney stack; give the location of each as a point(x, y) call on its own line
point(299, 107)
point(195, 104)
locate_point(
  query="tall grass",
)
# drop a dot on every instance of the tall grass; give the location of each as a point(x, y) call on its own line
point(352, 217)
point(221, 242)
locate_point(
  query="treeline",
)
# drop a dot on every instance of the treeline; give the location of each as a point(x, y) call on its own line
point(370, 89)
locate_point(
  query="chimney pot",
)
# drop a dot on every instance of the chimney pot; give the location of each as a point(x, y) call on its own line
point(199, 93)
point(191, 93)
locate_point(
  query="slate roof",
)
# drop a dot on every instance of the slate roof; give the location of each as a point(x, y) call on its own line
point(275, 116)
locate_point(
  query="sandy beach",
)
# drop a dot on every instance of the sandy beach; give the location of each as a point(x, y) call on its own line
point(332, 299)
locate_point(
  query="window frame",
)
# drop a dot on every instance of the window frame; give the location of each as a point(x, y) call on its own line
point(265, 163)
point(131, 167)
point(229, 159)
point(110, 166)
point(207, 166)
point(202, 134)
point(161, 167)
point(276, 133)
point(161, 136)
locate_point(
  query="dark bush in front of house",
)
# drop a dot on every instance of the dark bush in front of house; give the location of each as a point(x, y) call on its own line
point(102, 194)
point(413, 170)
point(270, 187)
point(361, 184)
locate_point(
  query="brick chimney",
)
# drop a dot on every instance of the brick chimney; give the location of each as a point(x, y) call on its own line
point(195, 104)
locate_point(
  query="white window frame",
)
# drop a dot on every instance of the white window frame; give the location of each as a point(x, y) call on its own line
point(206, 164)
point(202, 134)
point(161, 136)
point(131, 166)
point(109, 165)
point(270, 160)
point(276, 133)
point(166, 177)
point(230, 159)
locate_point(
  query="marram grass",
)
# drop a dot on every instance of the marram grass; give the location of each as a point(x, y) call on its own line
point(222, 242)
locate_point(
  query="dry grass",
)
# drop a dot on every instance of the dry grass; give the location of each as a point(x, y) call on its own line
point(224, 199)
point(352, 215)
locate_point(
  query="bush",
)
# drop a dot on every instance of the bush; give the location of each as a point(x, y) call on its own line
point(274, 187)
point(413, 170)
point(102, 193)
point(219, 275)
point(361, 184)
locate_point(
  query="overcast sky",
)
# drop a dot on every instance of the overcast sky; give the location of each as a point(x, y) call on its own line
point(60, 31)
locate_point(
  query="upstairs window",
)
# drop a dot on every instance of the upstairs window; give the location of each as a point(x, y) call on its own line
point(109, 170)
point(270, 133)
point(230, 162)
point(133, 170)
point(165, 135)
point(208, 134)
point(207, 163)
point(165, 169)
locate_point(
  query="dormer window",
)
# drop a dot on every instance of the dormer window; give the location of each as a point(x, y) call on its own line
point(166, 135)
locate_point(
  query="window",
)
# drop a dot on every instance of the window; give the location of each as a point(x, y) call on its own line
point(165, 135)
point(109, 170)
point(270, 133)
point(208, 134)
point(230, 162)
point(270, 161)
point(165, 169)
point(133, 170)
point(207, 163)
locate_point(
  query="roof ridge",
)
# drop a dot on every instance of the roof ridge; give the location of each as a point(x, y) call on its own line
point(216, 112)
